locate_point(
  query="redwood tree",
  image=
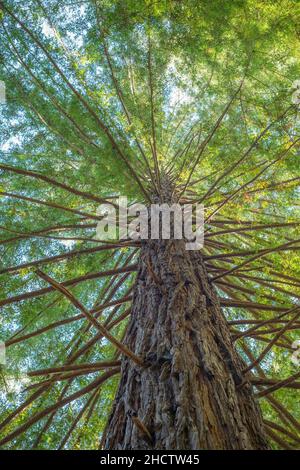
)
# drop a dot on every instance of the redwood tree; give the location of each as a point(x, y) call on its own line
point(143, 344)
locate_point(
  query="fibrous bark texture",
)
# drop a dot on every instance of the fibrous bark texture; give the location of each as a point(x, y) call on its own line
point(191, 394)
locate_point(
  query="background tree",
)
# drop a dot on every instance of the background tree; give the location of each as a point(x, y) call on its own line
point(171, 100)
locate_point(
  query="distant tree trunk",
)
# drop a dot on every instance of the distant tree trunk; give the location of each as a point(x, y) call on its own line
point(192, 394)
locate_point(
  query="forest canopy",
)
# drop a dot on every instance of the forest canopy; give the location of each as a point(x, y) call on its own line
point(104, 99)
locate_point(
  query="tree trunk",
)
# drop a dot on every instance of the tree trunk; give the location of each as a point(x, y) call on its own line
point(192, 394)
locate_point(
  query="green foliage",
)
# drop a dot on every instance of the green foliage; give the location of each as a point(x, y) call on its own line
point(80, 77)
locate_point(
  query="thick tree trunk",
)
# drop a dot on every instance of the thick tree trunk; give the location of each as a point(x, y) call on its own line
point(192, 394)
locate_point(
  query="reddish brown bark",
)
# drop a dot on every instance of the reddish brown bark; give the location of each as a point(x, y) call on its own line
point(190, 394)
